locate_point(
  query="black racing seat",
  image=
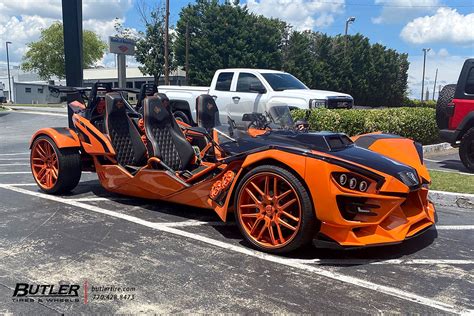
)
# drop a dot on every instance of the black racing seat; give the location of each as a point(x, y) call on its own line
point(165, 137)
point(207, 112)
point(146, 89)
point(123, 133)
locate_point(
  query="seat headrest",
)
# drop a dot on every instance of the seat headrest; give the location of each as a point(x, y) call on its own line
point(207, 111)
point(115, 103)
point(154, 109)
point(164, 99)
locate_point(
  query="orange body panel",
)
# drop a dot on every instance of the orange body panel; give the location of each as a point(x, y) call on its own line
point(94, 142)
point(63, 137)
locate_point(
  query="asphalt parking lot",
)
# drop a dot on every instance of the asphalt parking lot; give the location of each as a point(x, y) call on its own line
point(180, 259)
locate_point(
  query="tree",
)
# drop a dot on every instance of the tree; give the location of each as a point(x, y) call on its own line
point(224, 35)
point(150, 47)
point(46, 56)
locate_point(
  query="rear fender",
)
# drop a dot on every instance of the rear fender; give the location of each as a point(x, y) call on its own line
point(63, 137)
point(397, 148)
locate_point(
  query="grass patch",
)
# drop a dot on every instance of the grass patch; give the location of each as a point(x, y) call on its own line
point(2, 108)
point(451, 182)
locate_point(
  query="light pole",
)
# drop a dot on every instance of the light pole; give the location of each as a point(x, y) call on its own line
point(167, 17)
point(349, 20)
point(8, 73)
point(425, 50)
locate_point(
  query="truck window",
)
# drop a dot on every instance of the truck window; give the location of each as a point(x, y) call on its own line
point(245, 80)
point(224, 80)
point(283, 81)
point(469, 88)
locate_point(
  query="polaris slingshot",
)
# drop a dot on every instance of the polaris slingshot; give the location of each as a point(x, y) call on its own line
point(284, 184)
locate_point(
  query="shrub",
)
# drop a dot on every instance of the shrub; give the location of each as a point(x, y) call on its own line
point(418, 104)
point(418, 124)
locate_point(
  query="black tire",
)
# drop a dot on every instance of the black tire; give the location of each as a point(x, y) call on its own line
point(466, 150)
point(69, 171)
point(445, 97)
point(308, 226)
point(181, 116)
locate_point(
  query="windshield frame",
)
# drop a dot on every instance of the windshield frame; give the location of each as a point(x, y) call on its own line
point(270, 78)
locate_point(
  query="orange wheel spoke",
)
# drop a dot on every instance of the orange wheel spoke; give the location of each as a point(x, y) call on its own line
point(250, 215)
point(254, 227)
point(283, 195)
point(285, 224)
point(280, 235)
point(249, 206)
point(258, 189)
point(260, 234)
point(54, 173)
point(284, 206)
point(38, 159)
point(296, 219)
point(267, 186)
point(252, 196)
point(36, 165)
point(41, 151)
point(272, 234)
point(275, 185)
point(43, 175)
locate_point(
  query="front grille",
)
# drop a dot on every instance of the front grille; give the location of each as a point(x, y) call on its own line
point(334, 103)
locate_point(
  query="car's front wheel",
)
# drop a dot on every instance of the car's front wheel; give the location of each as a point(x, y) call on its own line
point(273, 210)
point(466, 150)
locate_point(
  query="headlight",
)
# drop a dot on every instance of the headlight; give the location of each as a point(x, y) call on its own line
point(409, 178)
point(352, 181)
point(317, 103)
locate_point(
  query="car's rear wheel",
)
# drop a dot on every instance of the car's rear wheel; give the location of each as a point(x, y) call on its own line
point(466, 150)
point(54, 170)
point(273, 210)
point(445, 97)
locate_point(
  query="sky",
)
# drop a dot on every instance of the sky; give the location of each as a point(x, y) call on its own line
point(444, 26)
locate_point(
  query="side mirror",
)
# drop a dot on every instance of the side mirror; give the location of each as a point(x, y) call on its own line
point(257, 87)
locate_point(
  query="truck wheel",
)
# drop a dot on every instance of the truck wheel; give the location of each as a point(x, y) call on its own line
point(55, 170)
point(466, 150)
point(181, 116)
point(273, 210)
point(445, 97)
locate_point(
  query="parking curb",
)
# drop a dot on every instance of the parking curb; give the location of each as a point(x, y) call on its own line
point(452, 199)
point(428, 149)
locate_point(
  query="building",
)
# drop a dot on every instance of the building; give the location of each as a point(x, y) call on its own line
point(34, 91)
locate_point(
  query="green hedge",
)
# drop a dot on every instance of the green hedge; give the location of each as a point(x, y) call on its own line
point(418, 104)
point(415, 123)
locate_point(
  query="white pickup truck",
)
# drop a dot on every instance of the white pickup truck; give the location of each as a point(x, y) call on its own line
point(240, 91)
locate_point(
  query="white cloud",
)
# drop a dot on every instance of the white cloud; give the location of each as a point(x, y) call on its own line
point(21, 21)
point(446, 25)
point(303, 15)
point(400, 11)
point(449, 68)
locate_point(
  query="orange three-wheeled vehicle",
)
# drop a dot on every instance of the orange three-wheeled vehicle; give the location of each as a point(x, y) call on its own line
point(285, 185)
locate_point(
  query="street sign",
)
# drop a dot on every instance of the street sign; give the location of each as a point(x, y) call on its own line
point(123, 46)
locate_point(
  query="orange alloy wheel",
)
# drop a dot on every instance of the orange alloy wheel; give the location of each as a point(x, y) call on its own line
point(269, 210)
point(44, 164)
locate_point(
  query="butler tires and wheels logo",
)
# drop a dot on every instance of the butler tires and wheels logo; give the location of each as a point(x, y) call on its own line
point(51, 293)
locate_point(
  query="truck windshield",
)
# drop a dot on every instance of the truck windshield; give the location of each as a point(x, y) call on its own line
point(282, 81)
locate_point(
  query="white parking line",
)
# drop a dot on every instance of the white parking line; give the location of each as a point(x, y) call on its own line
point(431, 160)
point(13, 164)
point(40, 113)
point(14, 159)
point(15, 154)
point(385, 262)
point(388, 290)
point(454, 227)
point(15, 172)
